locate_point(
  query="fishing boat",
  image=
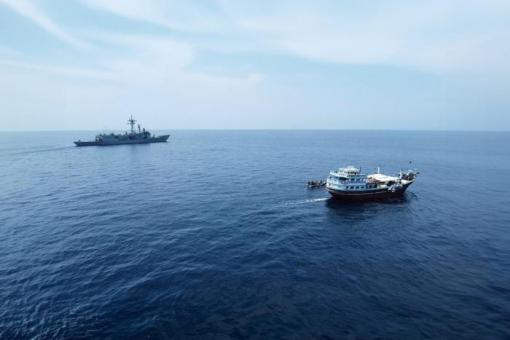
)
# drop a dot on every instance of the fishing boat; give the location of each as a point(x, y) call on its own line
point(351, 184)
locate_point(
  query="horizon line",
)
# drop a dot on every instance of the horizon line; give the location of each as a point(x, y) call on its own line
point(263, 129)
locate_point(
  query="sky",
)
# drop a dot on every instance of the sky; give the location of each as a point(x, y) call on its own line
point(261, 64)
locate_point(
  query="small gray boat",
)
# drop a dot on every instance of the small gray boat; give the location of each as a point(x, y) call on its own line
point(133, 137)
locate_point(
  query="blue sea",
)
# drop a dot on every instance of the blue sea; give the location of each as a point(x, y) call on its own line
point(214, 235)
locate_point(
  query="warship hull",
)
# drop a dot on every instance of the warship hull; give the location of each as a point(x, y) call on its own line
point(159, 139)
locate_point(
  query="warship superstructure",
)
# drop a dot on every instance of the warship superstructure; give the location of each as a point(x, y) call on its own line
point(350, 183)
point(141, 136)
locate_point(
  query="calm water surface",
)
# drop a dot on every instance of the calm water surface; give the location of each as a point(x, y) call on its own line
point(214, 235)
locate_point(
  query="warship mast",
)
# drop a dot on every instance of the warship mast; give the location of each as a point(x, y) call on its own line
point(132, 122)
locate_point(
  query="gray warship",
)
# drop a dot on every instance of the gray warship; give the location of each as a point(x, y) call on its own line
point(133, 137)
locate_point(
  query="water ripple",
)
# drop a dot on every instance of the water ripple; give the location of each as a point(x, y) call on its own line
point(214, 236)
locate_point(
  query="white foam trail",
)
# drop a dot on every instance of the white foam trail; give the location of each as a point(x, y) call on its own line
point(322, 199)
point(312, 200)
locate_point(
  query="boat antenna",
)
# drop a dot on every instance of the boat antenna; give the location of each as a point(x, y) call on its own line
point(132, 122)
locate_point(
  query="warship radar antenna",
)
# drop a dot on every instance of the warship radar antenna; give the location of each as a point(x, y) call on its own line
point(132, 122)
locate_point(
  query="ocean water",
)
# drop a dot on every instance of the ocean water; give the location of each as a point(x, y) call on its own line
point(215, 236)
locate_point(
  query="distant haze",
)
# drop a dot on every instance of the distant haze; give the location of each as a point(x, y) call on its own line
point(228, 64)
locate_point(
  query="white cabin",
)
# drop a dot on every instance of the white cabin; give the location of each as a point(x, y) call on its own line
point(350, 178)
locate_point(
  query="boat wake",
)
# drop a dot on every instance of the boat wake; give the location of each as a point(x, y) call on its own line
point(41, 150)
point(300, 202)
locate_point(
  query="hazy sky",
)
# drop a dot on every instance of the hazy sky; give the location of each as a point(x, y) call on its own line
point(362, 64)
